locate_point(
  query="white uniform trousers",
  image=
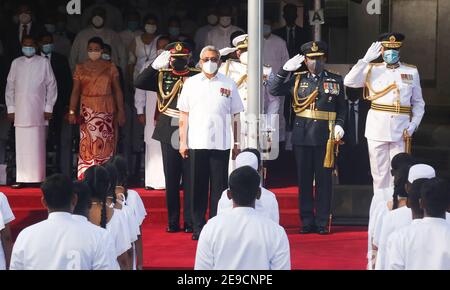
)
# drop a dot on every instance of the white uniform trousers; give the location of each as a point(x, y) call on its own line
point(154, 170)
point(30, 154)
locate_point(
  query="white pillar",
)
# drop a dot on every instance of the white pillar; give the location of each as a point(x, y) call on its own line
point(255, 66)
point(317, 27)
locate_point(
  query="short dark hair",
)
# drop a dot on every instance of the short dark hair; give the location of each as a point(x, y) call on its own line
point(58, 191)
point(150, 16)
point(435, 197)
point(29, 37)
point(414, 196)
point(83, 192)
point(107, 47)
point(44, 35)
point(96, 40)
point(244, 185)
point(401, 159)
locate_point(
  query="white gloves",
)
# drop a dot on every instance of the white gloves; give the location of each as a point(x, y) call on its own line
point(373, 53)
point(294, 63)
point(411, 129)
point(227, 50)
point(162, 61)
point(338, 133)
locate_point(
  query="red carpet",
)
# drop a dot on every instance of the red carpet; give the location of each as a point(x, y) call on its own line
point(344, 249)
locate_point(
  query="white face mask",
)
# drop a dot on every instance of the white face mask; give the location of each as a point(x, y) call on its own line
point(244, 57)
point(97, 21)
point(225, 21)
point(210, 67)
point(213, 19)
point(25, 18)
point(94, 55)
point(150, 28)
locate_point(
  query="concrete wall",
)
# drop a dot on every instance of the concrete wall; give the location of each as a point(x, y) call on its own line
point(443, 52)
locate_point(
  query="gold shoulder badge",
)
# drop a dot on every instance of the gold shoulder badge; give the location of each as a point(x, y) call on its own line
point(314, 47)
point(409, 65)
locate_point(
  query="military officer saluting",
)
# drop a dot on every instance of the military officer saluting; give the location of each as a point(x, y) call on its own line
point(320, 107)
point(166, 76)
point(397, 106)
point(238, 71)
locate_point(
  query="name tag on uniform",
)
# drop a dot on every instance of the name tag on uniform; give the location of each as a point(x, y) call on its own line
point(407, 78)
point(331, 88)
point(225, 92)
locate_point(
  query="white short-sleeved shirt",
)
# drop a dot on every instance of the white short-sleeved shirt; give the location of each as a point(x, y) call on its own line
point(241, 239)
point(6, 216)
point(266, 206)
point(423, 245)
point(211, 104)
point(105, 240)
point(135, 202)
point(59, 243)
point(119, 232)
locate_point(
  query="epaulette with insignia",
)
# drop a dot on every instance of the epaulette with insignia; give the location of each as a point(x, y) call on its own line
point(193, 69)
point(301, 73)
point(166, 70)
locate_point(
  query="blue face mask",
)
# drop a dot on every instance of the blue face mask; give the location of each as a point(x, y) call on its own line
point(391, 56)
point(174, 31)
point(47, 48)
point(106, 57)
point(28, 51)
point(133, 25)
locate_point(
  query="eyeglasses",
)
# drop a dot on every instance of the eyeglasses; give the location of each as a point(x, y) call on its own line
point(212, 59)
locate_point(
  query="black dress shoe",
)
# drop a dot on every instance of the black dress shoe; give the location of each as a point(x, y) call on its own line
point(17, 186)
point(149, 188)
point(195, 236)
point(323, 231)
point(188, 229)
point(173, 229)
point(307, 230)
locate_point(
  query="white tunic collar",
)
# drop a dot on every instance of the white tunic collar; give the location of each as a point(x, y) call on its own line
point(430, 220)
point(59, 216)
point(243, 210)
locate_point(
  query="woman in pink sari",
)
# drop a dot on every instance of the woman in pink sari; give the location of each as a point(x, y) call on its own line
point(96, 82)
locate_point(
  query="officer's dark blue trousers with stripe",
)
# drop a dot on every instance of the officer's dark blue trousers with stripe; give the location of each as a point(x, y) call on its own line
point(314, 208)
point(209, 171)
point(175, 169)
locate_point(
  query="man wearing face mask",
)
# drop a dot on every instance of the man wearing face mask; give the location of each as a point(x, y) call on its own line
point(237, 70)
point(200, 36)
point(54, 24)
point(113, 15)
point(133, 29)
point(31, 93)
point(219, 36)
point(60, 133)
point(320, 108)
point(78, 54)
point(26, 26)
point(397, 106)
point(166, 76)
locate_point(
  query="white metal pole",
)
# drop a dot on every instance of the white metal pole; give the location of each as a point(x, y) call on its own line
point(317, 27)
point(255, 69)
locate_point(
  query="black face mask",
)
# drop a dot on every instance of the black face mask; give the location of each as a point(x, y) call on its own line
point(315, 66)
point(179, 64)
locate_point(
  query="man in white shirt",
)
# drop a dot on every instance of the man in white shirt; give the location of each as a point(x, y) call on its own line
point(241, 239)
point(78, 54)
point(267, 205)
point(402, 215)
point(31, 93)
point(425, 245)
point(209, 102)
point(220, 35)
point(60, 242)
point(202, 33)
point(6, 241)
point(114, 18)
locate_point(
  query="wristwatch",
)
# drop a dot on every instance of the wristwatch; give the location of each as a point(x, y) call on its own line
point(72, 112)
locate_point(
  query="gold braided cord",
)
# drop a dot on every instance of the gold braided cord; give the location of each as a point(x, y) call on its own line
point(165, 100)
point(373, 95)
point(301, 104)
point(241, 80)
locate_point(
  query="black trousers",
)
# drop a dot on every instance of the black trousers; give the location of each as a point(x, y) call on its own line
point(175, 169)
point(209, 170)
point(314, 208)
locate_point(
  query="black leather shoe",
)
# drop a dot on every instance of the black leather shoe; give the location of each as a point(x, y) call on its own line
point(323, 231)
point(17, 186)
point(188, 229)
point(307, 230)
point(195, 236)
point(149, 188)
point(173, 229)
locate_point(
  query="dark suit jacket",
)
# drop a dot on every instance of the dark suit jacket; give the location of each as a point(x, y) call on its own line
point(13, 45)
point(363, 110)
point(63, 75)
point(302, 36)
